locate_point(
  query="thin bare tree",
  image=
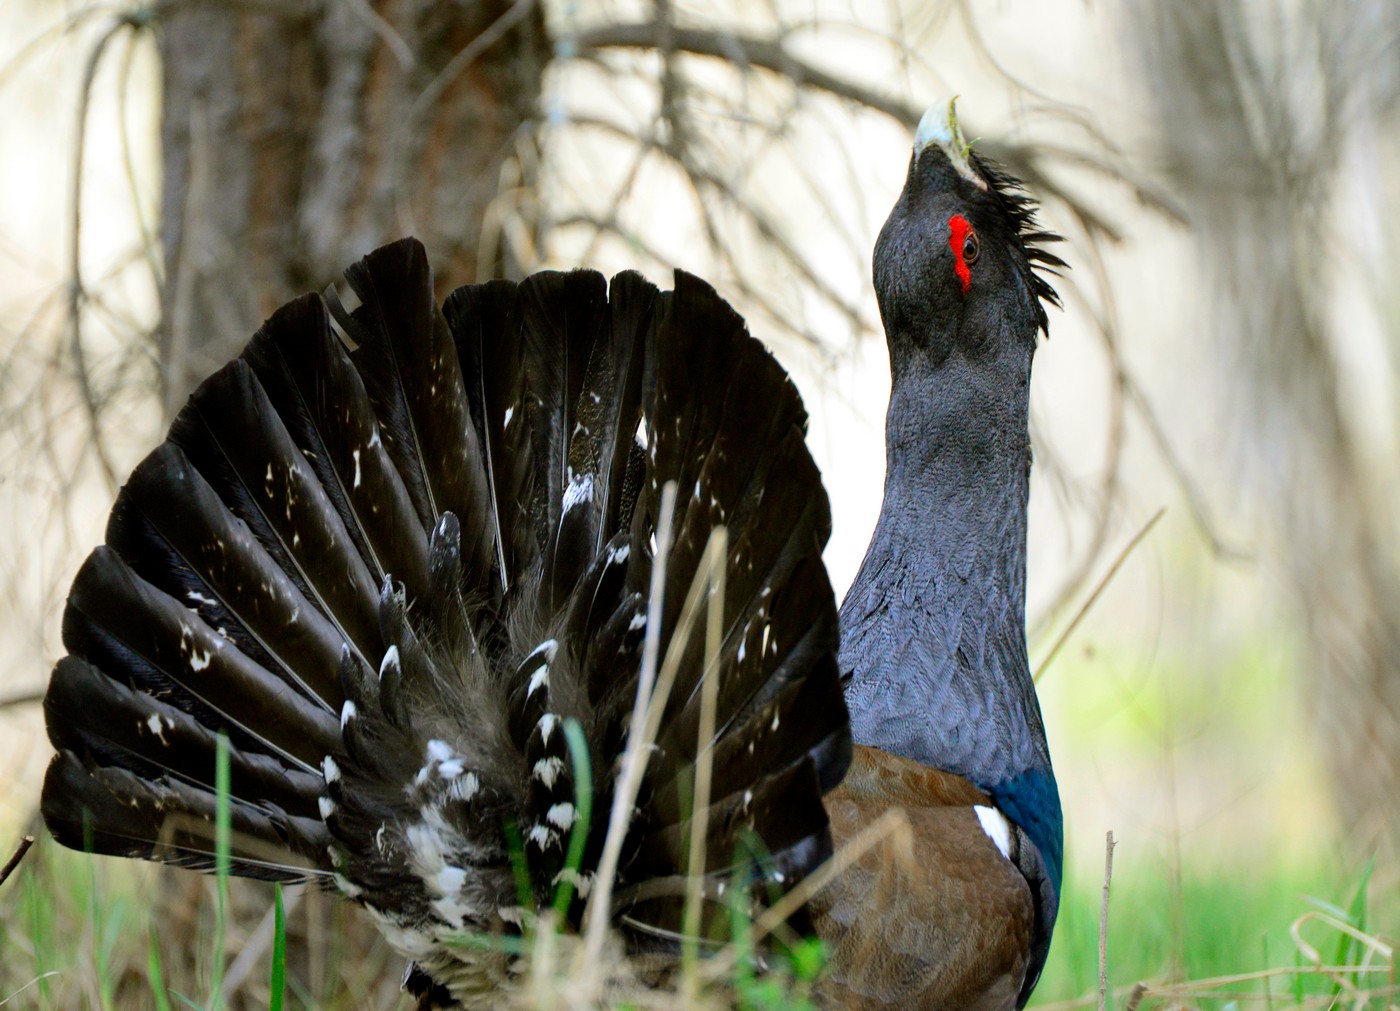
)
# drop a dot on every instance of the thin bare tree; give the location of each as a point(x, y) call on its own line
point(1259, 106)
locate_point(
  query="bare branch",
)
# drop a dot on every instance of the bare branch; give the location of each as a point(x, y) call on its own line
point(13, 862)
point(76, 294)
point(1123, 556)
point(745, 50)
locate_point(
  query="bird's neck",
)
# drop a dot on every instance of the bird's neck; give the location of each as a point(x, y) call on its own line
point(933, 628)
point(956, 484)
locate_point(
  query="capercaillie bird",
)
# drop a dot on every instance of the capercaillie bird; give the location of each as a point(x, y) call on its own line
point(933, 642)
point(414, 565)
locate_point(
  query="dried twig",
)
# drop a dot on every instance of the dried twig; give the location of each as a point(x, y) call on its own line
point(1103, 920)
point(634, 755)
point(1098, 590)
point(76, 293)
point(13, 862)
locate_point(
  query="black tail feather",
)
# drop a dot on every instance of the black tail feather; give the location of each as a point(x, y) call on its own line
point(317, 393)
point(409, 367)
point(485, 324)
point(396, 576)
point(201, 555)
point(232, 435)
point(107, 809)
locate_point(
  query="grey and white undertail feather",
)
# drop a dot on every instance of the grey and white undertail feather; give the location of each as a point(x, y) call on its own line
point(392, 554)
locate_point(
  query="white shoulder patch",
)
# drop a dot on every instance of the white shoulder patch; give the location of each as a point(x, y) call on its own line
point(996, 826)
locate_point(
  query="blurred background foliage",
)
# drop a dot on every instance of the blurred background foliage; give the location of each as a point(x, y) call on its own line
point(1225, 175)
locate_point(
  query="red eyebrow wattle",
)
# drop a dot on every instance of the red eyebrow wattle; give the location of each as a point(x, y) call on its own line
point(958, 228)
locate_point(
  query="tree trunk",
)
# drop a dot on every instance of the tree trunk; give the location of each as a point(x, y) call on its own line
point(297, 138)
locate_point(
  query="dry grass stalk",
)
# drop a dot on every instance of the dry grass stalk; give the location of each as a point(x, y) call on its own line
point(1103, 912)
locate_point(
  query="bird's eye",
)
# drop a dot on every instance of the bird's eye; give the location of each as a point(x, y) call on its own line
point(962, 240)
point(971, 247)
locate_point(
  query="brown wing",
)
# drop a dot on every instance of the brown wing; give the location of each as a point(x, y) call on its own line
point(949, 928)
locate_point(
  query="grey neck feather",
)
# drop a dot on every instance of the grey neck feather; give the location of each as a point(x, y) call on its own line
point(933, 628)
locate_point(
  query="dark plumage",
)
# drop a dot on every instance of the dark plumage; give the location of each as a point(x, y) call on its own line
point(391, 571)
point(933, 642)
point(400, 569)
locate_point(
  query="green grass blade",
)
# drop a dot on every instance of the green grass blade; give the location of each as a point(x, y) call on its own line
point(1349, 949)
point(279, 952)
point(155, 974)
point(520, 870)
point(38, 910)
point(583, 808)
point(222, 861)
point(104, 983)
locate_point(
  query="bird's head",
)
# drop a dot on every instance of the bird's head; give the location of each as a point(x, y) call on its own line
point(954, 264)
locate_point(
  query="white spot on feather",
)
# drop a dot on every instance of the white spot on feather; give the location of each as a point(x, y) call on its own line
point(538, 680)
point(347, 713)
point(996, 826)
point(199, 661)
point(439, 751)
point(542, 836)
point(465, 788)
point(579, 491)
point(356, 456)
point(327, 807)
point(561, 815)
point(329, 770)
point(450, 769)
point(583, 883)
point(547, 770)
point(450, 880)
point(198, 597)
point(153, 721)
point(391, 659)
point(639, 620)
point(546, 724)
point(430, 841)
point(510, 413)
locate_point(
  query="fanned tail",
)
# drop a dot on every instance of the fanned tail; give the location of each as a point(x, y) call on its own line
point(403, 577)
